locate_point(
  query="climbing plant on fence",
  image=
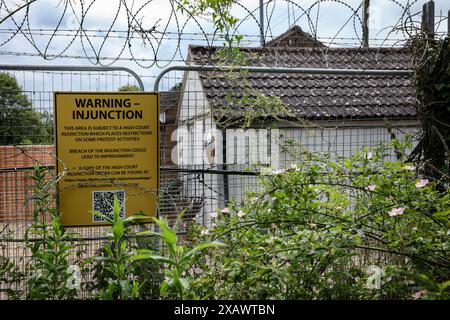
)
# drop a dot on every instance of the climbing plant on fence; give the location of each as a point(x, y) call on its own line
point(432, 86)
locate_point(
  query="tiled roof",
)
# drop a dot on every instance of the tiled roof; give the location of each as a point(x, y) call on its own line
point(319, 96)
point(295, 37)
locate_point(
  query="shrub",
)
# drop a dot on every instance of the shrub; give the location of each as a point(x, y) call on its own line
point(359, 228)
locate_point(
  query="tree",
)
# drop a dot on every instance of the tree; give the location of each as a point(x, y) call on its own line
point(129, 87)
point(19, 123)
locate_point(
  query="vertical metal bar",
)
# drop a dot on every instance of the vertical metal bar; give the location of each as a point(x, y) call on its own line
point(261, 22)
point(448, 23)
point(365, 35)
point(428, 18)
point(226, 191)
point(289, 15)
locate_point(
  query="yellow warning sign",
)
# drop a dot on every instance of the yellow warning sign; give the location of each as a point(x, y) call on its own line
point(107, 145)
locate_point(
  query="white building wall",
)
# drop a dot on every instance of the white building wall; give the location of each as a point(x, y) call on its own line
point(337, 142)
point(199, 146)
point(343, 141)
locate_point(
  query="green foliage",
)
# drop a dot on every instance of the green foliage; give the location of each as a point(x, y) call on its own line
point(48, 267)
point(248, 104)
point(245, 105)
point(432, 88)
point(359, 228)
point(19, 123)
point(433, 290)
point(10, 277)
point(113, 270)
point(251, 107)
point(129, 87)
point(177, 260)
point(218, 10)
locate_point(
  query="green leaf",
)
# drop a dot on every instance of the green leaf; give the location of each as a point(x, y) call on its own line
point(140, 256)
point(116, 208)
point(201, 247)
point(152, 257)
point(125, 288)
point(135, 292)
point(109, 251)
point(149, 233)
point(168, 235)
point(184, 283)
point(444, 285)
point(179, 217)
point(103, 216)
point(164, 287)
point(442, 215)
point(118, 230)
point(135, 217)
point(118, 225)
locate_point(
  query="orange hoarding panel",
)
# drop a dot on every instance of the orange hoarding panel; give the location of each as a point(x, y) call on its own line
point(107, 145)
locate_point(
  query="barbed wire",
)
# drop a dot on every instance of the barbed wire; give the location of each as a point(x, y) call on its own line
point(151, 34)
point(172, 35)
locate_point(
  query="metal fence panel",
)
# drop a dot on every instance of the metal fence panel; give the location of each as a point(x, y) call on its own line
point(204, 165)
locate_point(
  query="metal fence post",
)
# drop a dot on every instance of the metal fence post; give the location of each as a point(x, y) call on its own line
point(428, 18)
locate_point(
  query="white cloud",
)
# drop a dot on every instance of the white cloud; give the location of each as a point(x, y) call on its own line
point(45, 14)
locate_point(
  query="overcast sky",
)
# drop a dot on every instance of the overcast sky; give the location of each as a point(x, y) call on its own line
point(333, 22)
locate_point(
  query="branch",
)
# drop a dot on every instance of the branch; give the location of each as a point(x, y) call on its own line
point(17, 10)
point(441, 138)
point(405, 255)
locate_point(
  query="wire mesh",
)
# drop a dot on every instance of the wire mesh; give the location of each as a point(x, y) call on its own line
point(204, 165)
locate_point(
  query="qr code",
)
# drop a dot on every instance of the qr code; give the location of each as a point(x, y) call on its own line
point(103, 202)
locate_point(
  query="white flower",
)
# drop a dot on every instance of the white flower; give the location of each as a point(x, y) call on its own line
point(369, 155)
point(271, 239)
point(360, 233)
point(214, 225)
point(410, 168)
point(419, 294)
point(253, 199)
point(214, 214)
point(225, 210)
point(295, 167)
point(372, 187)
point(37, 274)
point(204, 232)
point(422, 183)
point(278, 171)
point(74, 280)
point(396, 211)
point(240, 214)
